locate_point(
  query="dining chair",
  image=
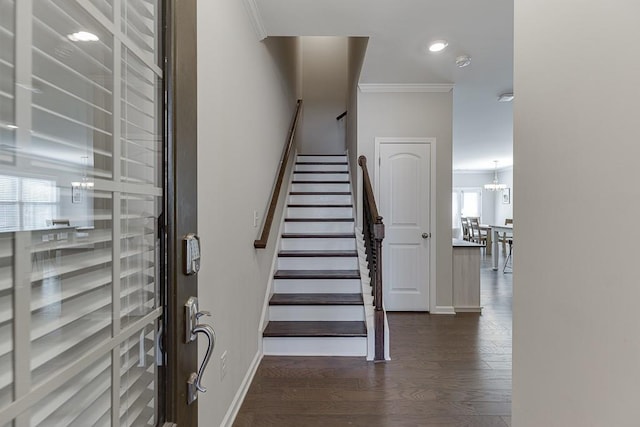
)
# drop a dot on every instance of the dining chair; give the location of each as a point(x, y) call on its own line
point(504, 237)
point(508, 263)
point(466, 235)
point(477, 235)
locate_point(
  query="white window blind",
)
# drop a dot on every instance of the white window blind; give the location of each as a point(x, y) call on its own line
point(7, 83)
point(9, 209)
point(6, 320)
point(79, 266)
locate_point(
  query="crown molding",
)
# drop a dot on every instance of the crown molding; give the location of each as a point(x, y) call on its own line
point(256, 19)
point(406, 87)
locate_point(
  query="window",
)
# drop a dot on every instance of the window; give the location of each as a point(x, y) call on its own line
point(26, 203)
point(85, 297)
point(466, 202)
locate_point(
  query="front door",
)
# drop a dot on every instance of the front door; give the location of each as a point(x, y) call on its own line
point(404, 197)
point(83, 298)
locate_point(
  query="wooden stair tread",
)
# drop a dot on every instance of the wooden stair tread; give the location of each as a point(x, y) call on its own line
point(344, 172)
point(315, 329)
point(316, 299)
point(316, 236)
point(319, 182)
point(298, 205)
point(324, 253)
point(317, 274)
point(322, 163)
point(320, 193)
point(318, 220)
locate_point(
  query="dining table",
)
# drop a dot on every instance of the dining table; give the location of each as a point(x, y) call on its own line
point(495, 229)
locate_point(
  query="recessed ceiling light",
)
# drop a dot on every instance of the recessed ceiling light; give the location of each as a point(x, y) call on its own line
point(463, 60)
point(438, 46)
point(83, 36)
point(506, 97)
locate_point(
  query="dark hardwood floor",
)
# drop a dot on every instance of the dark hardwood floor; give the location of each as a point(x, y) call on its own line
point(445, 371)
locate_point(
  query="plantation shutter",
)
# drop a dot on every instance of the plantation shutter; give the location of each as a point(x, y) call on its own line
point(80, 198)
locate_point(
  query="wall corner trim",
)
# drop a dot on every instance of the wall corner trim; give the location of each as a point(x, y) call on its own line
point(406, 87)
point(235, 405)
point(444, 309)
point(256, 18)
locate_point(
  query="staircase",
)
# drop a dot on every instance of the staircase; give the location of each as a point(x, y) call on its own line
point(317, 306)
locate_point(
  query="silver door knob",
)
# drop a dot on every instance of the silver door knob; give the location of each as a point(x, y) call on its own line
point(426, 235)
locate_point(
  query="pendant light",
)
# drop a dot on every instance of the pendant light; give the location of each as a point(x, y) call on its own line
point(495, 186)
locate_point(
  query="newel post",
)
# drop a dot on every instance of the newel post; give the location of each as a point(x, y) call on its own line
point(378, 235)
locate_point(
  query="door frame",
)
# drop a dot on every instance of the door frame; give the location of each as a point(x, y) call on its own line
point(432, 205)
point(181, 202)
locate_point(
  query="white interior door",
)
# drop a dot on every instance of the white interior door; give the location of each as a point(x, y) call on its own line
point(404, 197)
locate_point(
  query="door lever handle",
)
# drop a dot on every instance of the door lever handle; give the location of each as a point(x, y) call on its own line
point(192, 314)
point(202, 313)
point(195, 379)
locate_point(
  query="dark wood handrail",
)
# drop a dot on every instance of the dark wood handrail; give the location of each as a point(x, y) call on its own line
point(373, 231)
point(368, 189)
point(266, 228)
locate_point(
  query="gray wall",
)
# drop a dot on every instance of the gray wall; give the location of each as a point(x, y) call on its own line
point(415, 115)
point(576, 349)
point(357, 49)
point(504, 210)
point(324, 90)
point(246, 97)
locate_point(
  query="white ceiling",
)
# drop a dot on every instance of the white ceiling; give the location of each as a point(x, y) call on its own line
point(400, 31)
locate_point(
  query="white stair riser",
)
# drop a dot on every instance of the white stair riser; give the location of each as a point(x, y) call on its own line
point(311, 158)
point(316, 168)
point(318, 263)
point(316, 313)
point(322, 346)
point(318, 227)
point(317, 286)
point(319, 212)
point(321, 177)
point(318, 244)
point(318, 199)
point(320, 188)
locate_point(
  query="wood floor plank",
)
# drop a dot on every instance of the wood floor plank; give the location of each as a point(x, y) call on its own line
point(366, 421)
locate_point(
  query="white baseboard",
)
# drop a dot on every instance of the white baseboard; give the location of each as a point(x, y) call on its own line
point(234, 408)
point(444, 309)
point(469, 309)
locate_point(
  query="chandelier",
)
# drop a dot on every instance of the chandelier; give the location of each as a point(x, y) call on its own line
point(495, 186)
